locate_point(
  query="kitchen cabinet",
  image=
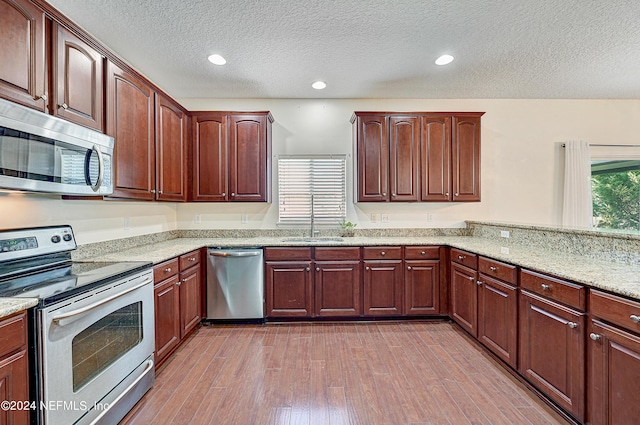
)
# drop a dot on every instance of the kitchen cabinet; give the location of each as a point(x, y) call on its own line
point(337, 282)
point(78, 78)
point(423, 156)
point(288, 282)
point(23, 66)
point(498, 309)
point(130, 121)
point(464, 294)
point(383, 283)
point(422, 280)
point(613, 350)
point(177, 295)
point(171, 150)
point(552, 340)
point(14, 368)
point(232, 156)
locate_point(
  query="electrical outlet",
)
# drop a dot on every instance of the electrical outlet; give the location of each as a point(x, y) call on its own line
point(504, 233)
point(504, 250)
point(197, 219)
point(244, 219)
point(384, 218)
point(429, 217)
point(126, 223)
point(374, 217)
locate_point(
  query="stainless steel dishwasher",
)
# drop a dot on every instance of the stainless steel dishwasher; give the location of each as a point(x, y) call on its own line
point(235, 283)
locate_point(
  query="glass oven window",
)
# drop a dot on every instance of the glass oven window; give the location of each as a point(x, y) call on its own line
point(105, 341)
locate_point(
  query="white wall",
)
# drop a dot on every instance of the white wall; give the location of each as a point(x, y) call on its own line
point(521, 166)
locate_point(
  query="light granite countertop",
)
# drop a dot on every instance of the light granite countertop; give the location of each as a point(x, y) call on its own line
point(620, 278)
point(616, 277)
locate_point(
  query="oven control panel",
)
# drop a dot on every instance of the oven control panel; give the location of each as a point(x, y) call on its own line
point(23, 243)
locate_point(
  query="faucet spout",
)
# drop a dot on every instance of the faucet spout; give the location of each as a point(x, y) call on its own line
point(312, 219)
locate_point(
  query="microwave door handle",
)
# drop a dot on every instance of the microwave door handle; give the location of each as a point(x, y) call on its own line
point(87, 176)
point(66, 318)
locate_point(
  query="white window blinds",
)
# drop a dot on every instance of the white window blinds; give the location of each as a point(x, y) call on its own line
point(321, 179)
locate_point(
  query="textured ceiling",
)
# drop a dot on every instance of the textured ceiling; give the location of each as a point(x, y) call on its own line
point(374, 48)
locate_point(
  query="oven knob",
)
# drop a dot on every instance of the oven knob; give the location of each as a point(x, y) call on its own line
point(67, 237)
point(55, 238)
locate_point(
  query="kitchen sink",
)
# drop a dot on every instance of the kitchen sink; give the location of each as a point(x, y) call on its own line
point(319, 239)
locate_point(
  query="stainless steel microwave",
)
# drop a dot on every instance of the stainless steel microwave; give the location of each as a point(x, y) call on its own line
point(43, 153)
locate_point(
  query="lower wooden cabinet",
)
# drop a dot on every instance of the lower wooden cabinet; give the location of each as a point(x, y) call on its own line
point(337, 289)
point(177, 301)
point(464, 297)
point(422, 287)
point(14, 368)
point(552, 351)
point(288, 288)
point(498, 318)
point(382, 287)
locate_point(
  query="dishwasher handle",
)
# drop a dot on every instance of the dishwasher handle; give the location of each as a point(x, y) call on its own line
point(223, 253)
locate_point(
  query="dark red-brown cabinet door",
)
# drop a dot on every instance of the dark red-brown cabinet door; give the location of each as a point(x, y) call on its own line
point(337, 288)
point(436, 159)
point(466, 158)
point(23, 68)
point(210, 146)
point(422, 287)
point(382, 290)
point(288, 289)
point(78, 78)
point(373, 158)
point(130, 121)
point(171, 150)
point(167, 316)
point(464, 297)
point(498, 318)
point(614, 380)
point(404, 158)
point(249, 158)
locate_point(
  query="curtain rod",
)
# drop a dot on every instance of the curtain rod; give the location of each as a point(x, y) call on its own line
point(614, 146)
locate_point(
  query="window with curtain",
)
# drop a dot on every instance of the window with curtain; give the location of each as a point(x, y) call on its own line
point(312, 183)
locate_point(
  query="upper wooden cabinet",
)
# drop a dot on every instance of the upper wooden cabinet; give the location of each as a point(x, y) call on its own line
point(423, 156)
point(23, 68)
point(231, 156)
point(78, 78)
point(130, 121)
point(171, 150)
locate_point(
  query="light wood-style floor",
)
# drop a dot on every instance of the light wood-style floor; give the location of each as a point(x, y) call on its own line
point(340, 373)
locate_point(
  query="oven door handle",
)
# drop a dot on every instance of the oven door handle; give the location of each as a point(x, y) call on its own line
point(125, 392)
point(66, 318)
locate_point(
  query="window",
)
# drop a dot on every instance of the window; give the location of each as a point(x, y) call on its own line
point(312, 184)
point(615, 187)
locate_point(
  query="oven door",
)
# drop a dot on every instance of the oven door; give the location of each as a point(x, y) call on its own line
point(90, 345)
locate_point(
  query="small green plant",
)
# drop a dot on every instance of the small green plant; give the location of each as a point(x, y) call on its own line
point(347, 228)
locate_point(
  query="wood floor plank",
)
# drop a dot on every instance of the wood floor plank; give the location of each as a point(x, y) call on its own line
point(396, 373)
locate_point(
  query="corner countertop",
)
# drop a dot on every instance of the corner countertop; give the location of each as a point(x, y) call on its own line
point(619, 278)
point(9, 306)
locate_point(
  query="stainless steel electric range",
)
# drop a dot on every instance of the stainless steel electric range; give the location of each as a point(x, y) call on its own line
point(91, 334)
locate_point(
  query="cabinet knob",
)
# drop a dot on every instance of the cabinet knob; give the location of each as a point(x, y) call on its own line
point(545, 287)
point(634, 318)
point(382, 253)
point(493, 269)
point(408, 267)
point(308, 269)
point(192, 259)
point(455, 194)
point(43, 97)
point(167, 270)
point(572, 325)
point(64, 106)
point(233, 194)
point(224, 194)
point(160, 192)
point(153, 191)
point(384, 193)
point(461, 257)
point(471, 278)
point(393, 194)
point(423, 253)
point(478, 282)
point(595, 337)
point(367, 268)
point(178, 283)
point(317, 269)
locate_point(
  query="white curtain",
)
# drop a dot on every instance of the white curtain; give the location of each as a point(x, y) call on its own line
point(577, 209)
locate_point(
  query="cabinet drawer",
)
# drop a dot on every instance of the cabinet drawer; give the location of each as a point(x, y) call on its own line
point(382, 253)
point(13, 334)
point(190, 259)
point(287, 253)
point(503, 271)
point(422, 253)
point(465, 258)
point(617, 310)
point(165, 270)
point(562, 291)
point(329, 253)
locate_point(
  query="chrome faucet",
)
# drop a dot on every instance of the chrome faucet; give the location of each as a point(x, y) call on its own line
point(312, 232)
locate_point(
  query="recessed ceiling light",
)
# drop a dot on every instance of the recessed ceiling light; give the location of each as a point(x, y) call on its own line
point(444, 60)
point(319, 85)
point(217, 59)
